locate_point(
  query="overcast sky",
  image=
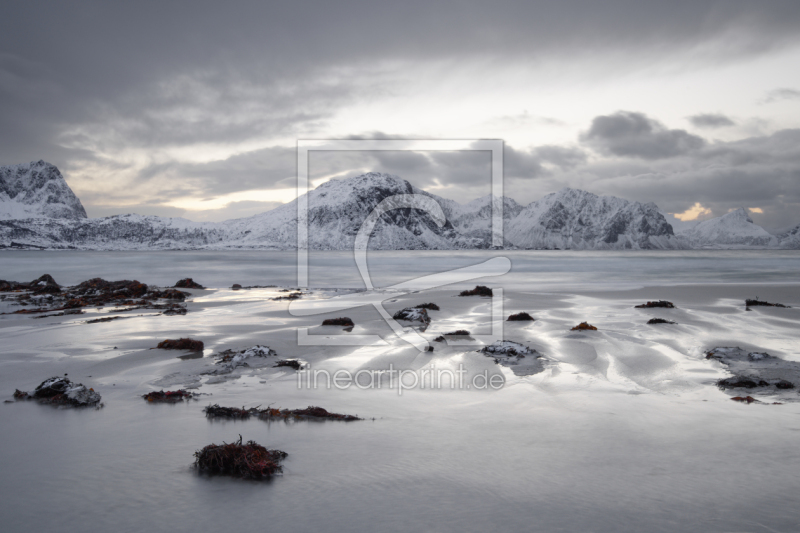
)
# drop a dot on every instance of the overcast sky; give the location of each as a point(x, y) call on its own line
point(194, 108)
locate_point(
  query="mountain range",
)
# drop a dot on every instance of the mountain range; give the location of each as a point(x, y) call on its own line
point(39, 210)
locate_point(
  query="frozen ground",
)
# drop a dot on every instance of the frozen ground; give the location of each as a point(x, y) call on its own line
point(623, 430)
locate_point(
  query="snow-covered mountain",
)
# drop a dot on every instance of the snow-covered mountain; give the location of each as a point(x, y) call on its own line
point(732, 230)
point(574, 219)
point(44, 212)
point(36, 190)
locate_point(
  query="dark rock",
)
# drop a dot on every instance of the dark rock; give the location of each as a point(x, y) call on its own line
point(520, 317)
point(236, 286)
point(762, 303)
point(660, 303)
point(429, 306)
point(291, 363)
point(460, 334)
point(479, 290)
point(660, 321)
point(181, 344)
point(341, 321)
point(188, 283)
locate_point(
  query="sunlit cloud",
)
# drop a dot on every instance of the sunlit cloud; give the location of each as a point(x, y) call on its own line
point(756, 210)
point(693, 213)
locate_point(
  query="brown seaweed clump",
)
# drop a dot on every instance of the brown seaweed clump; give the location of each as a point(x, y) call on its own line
point(291, 296)
point(341, 321)
point(170, 396)
point(479, 290)
point(181, 344)
point(460, 334)
point(309, 413)
point(660, 321)
point(430, 306)
point(757, 302)
point(659, 303)
point(520, 317)
point(188, 283)
point(291, 363)
point(584, 326)
point(744, 399)
point(249, 461)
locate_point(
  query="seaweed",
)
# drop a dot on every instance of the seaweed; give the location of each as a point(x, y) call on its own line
point(104, 319)
point(479, 290)
point(659, 303)
point(584, 326)
point(744, 399)
point(341, 321)
point(762, 303)
point(520, 317)
point(309, 413)
point(181, 344)
point(291, 363)
point(249, 461)
point(660, 321)
point(168, 396)
point(429, 306)
point(459, 334)
point(290, 296)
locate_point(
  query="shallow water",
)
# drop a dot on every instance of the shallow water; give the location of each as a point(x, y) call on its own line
point(542, 270)
point(624, 431)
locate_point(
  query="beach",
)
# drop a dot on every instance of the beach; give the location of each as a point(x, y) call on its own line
point(622, 428)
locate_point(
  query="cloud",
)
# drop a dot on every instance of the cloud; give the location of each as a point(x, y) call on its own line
point(711, 120)
point(693, 213)
point(776, 95)
point(632, 134)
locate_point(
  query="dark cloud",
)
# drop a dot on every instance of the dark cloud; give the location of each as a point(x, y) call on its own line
point(631, 134)
point(776, 95)
point(711, 120)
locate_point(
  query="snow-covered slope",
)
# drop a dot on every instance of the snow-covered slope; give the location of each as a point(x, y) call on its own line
point(574, 219)
point(36, 190)
point(732, 230)
point(336, 211)
point(790, 238)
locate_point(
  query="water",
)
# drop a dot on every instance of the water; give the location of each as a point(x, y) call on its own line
point(624, 431)
point(542, 270)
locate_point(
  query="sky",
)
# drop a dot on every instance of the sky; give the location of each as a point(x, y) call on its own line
point(194, 109)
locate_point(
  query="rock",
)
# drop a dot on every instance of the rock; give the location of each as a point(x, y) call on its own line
point(168, 396)
point(181, 344)
point(62, 391)
point(762, 303)
point(236, 286)
point(188, 283)
point(479, 290)
point(660, 303)
point(429, 306)
point(291, 363)
point(460, 334)
point(341, 321)
point(522, 361)
point(660, 321)
point(413, 314)
point(520, 317)
point(584, 326)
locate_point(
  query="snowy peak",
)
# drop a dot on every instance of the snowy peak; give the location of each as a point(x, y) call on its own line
point(36, 189)
point(734, 229)
point(576, 219)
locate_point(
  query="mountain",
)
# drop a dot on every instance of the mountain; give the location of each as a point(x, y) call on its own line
point(732, 230)
point(790, 238)
point(574, 219)
point(37, 190)
point(40, 210)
